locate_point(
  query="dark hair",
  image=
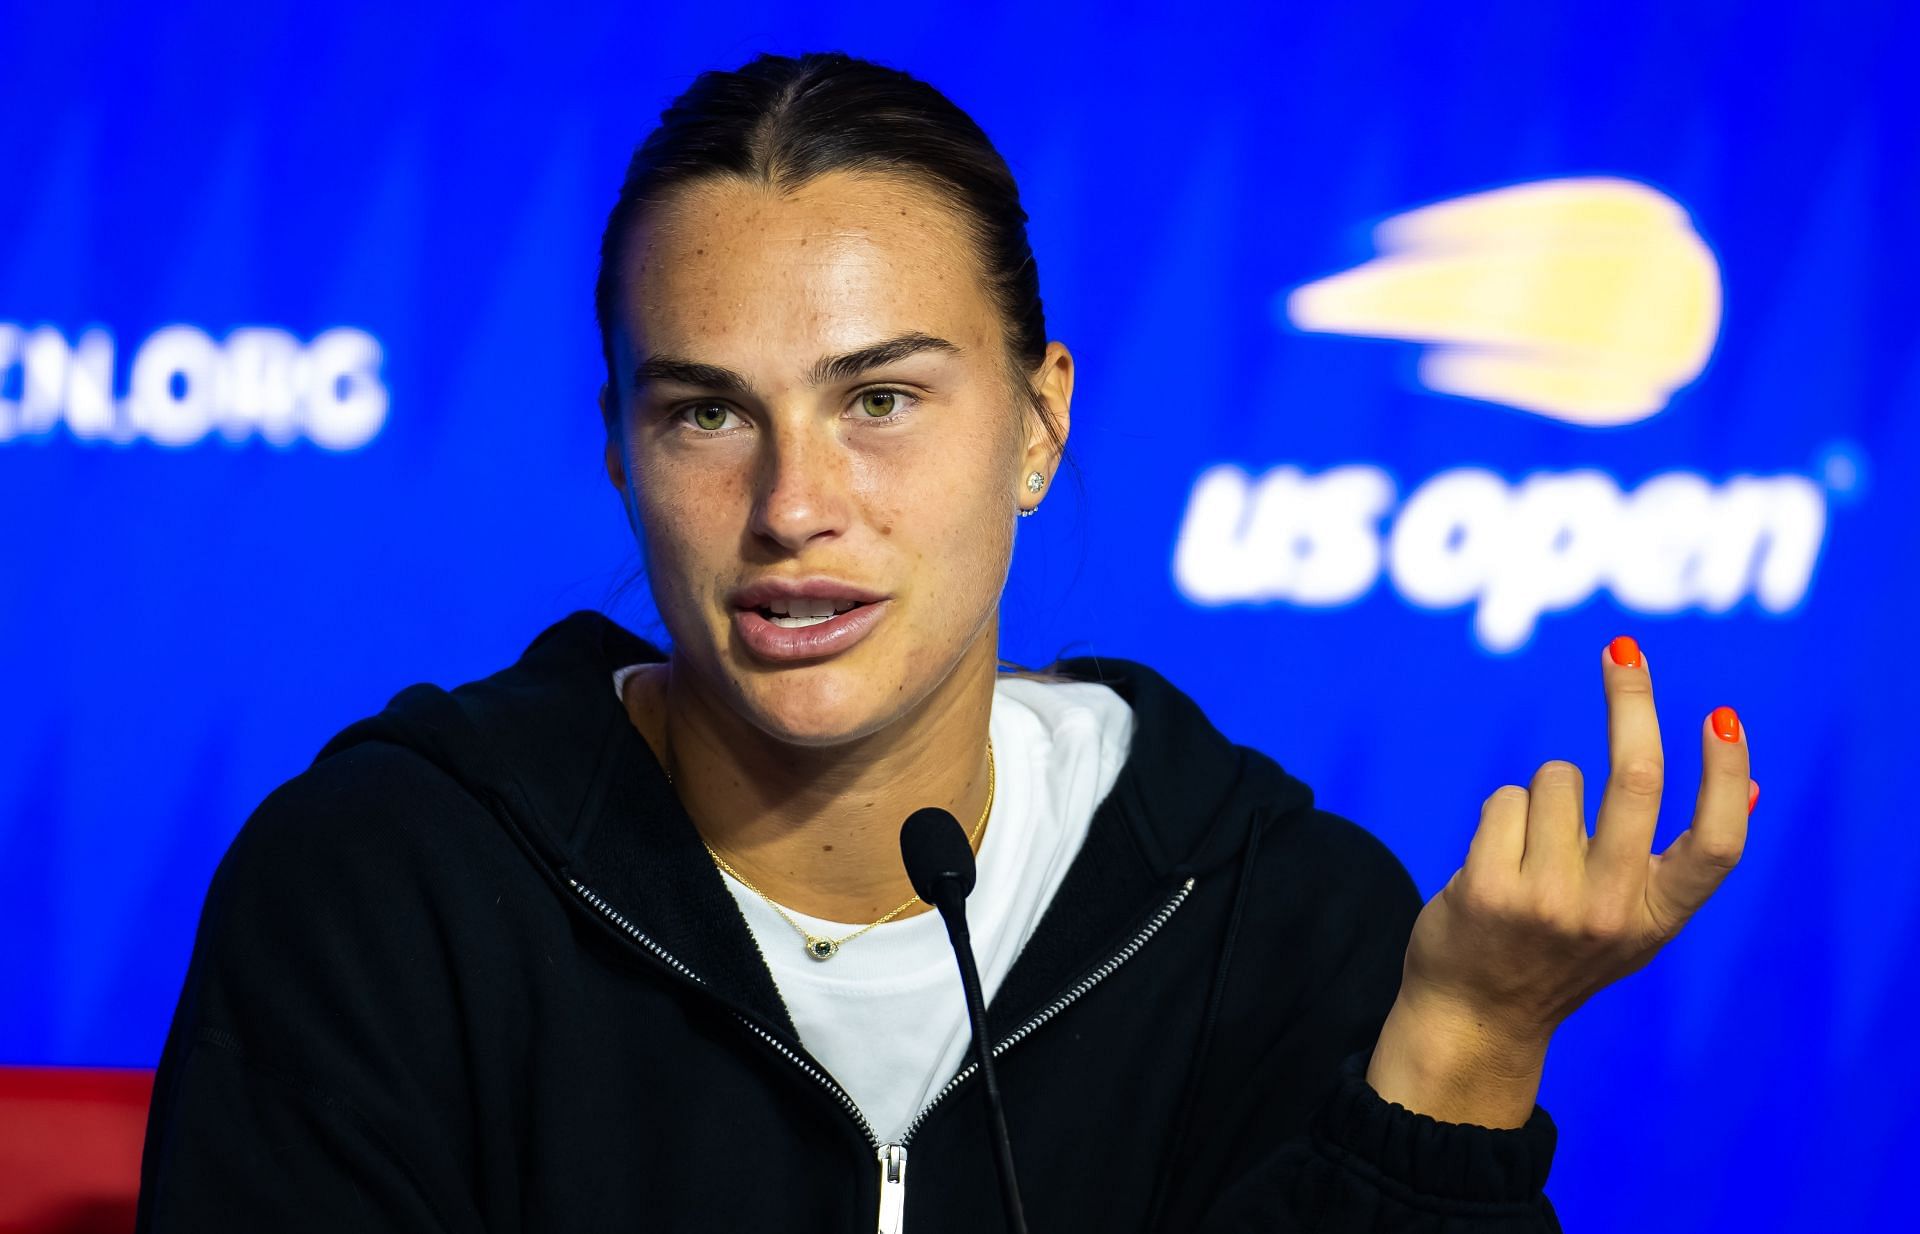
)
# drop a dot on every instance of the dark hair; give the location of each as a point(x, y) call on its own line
point(783, 120)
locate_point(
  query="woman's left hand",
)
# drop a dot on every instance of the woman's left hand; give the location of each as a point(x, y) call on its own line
point(1542, 915)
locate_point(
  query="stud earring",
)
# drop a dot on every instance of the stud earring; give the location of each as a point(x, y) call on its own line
point(1035, 482)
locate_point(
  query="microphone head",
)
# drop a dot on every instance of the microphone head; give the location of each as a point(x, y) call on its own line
point(936, 851)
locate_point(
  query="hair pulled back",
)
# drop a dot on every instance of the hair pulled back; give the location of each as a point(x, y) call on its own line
point(783, 120)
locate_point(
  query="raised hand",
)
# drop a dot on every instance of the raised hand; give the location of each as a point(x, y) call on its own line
point(1542, 915)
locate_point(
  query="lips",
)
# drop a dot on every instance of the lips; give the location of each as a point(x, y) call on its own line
point(787, 620)
point(762, 593)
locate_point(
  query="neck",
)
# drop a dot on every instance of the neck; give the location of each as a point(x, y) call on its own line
point(817, 828)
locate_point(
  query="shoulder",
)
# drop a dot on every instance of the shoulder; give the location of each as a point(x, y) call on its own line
point(372, 793)
point(1347, 870)
point(360, 934)
point(372, 827)
point(1332, 906)
point(361, 898)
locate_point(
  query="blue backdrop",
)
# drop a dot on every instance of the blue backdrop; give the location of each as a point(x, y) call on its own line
point(1422, 349)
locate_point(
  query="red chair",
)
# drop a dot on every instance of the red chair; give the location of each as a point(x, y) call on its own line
point(70, 1141)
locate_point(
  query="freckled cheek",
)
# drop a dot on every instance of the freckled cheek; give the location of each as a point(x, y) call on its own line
point(692, 520)
point(956, 531)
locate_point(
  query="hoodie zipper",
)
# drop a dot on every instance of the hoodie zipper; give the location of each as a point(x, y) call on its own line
point(1058, 1005)
point(892, 1156)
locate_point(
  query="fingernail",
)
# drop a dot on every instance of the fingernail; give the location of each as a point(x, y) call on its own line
point(1625, 652)
point(1726, 725)
point(1753, 794)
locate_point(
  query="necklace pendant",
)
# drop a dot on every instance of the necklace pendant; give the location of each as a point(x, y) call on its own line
point(821, 948)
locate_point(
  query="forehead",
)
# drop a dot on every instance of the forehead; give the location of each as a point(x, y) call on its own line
point(736, 272)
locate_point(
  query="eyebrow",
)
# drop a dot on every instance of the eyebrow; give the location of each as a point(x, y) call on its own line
point(842, 367)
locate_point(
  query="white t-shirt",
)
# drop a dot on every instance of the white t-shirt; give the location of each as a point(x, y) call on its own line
point(886, 1016)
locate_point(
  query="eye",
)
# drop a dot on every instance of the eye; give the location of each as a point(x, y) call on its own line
point(882, 404)
point(710, 417)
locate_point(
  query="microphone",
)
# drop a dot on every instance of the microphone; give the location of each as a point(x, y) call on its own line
point(939, 862)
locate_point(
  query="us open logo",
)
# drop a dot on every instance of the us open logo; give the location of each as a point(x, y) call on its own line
point(1586, 301)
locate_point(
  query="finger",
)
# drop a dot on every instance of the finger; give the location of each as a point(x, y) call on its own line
point(1699, 859)
point(1556, 821)
point(1636, 771)
point(1493, 858)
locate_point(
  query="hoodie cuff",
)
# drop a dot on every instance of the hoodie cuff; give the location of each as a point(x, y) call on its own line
point(1456, 1161)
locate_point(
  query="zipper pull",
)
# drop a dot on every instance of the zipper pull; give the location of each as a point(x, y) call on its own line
point(893, 1188)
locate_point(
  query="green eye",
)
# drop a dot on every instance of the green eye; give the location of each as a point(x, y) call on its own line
point(885, 407)
point(710, 416)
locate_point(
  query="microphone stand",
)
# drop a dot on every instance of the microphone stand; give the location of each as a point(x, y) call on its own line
point(953, 911)
point(939, 863)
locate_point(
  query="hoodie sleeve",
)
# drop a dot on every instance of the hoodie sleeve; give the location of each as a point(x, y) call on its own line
point(1371, 1165)
point(312, 1075)
point(1331, 903)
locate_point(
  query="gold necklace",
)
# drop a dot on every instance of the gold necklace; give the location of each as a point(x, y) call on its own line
point(818, 946)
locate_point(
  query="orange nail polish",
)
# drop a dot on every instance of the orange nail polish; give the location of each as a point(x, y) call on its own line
point(1753, 794)
point(1726, 725)
point(1625, 652)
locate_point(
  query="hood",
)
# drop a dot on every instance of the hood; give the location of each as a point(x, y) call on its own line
point(547, 747)
point(533, 736)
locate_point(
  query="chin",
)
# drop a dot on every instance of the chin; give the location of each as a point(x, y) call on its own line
point(819, 704)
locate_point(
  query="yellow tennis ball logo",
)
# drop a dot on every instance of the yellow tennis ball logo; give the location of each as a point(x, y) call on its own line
point(1587, 300)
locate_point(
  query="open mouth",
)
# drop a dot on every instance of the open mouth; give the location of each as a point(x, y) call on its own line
point(798, 613)
point(791, 628)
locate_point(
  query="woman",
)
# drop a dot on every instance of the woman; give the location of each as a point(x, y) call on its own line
point(618, 938)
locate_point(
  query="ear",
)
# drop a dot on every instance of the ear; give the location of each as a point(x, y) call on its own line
point(616, 457)
point(1054, 386)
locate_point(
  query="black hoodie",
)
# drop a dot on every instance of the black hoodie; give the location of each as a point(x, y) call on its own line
point(473, 970)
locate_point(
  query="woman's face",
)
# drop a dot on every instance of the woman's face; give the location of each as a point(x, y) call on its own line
point(824, 456)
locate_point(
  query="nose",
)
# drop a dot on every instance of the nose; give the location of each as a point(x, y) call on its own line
point(801, 487)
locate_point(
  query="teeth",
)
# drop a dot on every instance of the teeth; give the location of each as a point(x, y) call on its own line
point(795, 623)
